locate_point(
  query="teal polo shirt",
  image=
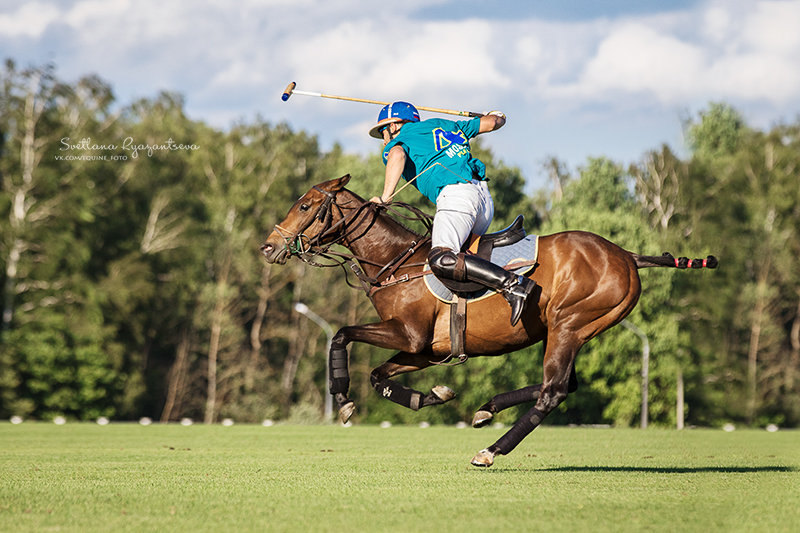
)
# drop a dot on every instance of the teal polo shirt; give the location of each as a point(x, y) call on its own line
point(438, 154)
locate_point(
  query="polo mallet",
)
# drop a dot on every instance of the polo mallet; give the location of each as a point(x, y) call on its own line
point(290, 90)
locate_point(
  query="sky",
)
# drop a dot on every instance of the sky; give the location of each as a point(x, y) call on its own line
point(576, 78)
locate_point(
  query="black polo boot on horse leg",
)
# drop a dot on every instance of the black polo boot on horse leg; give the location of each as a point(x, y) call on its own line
point(339, 384)
point(461, 267)
point(413, 357)
point(485, 413)
point(406, 396)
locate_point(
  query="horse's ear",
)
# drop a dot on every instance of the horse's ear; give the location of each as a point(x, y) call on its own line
point(338, 184)
point(335, 185)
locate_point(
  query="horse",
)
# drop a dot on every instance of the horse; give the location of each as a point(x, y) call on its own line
point(585, 284)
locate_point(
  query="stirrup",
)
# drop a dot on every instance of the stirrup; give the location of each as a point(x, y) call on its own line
point(517, 296)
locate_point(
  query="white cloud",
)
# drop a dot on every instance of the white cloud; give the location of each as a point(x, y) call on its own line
point(755, 77)
point(718, 25)
point(29, 20)
point(93, 13)
point(742, 51)
point(718, 49)
point(758, 57)
point(529, 51)
point(400, 57)
point(774, 27)
point(637, 58)
point(551, 77)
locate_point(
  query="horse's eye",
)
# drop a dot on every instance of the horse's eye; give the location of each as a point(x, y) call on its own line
point(304, 207)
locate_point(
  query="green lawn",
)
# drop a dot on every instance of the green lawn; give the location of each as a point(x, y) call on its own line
point(126, 477)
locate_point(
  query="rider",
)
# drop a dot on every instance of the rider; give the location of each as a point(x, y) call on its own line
point(435, 156)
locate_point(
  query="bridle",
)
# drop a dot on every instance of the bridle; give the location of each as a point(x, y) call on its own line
point(306, 248)
point(311, 249)
point(297, 243)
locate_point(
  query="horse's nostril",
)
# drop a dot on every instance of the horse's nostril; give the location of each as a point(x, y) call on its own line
point(266, 248)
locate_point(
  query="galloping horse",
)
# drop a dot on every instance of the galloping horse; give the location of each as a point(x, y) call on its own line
point(585, 285)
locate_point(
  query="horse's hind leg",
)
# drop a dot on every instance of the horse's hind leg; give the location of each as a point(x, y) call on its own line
point(559, 359)
point(400, 394)
point(485, 413)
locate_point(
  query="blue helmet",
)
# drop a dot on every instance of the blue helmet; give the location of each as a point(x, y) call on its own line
point(394, 112)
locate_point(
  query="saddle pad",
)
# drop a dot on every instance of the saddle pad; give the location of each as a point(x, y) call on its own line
point(525, 250)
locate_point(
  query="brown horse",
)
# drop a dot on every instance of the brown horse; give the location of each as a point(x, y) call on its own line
point(585, 285)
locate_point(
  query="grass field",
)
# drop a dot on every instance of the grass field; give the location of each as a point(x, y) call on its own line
point(126, 477)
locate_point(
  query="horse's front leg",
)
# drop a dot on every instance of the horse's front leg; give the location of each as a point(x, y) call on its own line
point(390, 334)
point(403, 363)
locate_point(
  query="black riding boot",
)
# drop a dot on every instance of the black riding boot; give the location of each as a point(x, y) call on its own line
point(462, 267)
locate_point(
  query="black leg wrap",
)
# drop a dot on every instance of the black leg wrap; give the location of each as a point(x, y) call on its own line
point(515, 397)
point(399, 394)
point(519, 431)
point(339, 373)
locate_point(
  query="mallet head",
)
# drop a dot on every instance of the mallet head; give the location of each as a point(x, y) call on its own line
point(288, 92)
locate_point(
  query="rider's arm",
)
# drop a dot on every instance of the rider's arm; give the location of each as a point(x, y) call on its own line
point(494, 120)
point(395, 163)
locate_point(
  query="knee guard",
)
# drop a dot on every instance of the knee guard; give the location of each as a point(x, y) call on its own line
point(447, 264)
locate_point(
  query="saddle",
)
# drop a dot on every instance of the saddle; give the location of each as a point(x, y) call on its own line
point(510, 248)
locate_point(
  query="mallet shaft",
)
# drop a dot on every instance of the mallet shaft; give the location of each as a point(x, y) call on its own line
point(307, 93)
point(348, 98)
point(449, 111)
point(290, 90)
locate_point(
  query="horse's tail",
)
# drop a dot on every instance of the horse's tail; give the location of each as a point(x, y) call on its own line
point(667, 260)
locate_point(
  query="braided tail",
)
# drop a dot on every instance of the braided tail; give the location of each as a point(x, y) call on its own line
point(668, 260)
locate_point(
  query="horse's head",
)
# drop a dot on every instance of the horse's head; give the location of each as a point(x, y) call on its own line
point(307, 224)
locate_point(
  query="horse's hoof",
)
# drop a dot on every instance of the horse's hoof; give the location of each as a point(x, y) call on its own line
point(483, 458)
point(443, 393)
point(346, 411)
point(481, 419)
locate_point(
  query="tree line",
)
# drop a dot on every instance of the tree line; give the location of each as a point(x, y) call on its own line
point(132, 284)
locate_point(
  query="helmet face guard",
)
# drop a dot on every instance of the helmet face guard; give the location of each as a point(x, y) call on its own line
point(394, 112)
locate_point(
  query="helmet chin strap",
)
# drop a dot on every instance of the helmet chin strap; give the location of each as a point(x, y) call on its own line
point(393, 134)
